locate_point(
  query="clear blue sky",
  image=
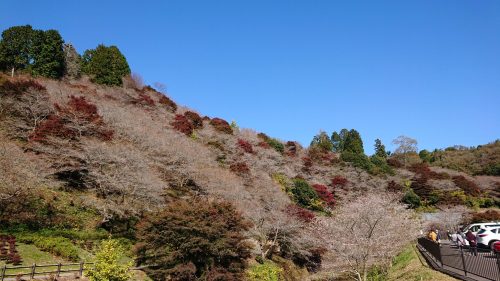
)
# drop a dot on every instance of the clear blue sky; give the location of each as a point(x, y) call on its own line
point(426, 69)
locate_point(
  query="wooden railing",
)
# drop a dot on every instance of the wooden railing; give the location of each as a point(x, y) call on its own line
point(33, 270)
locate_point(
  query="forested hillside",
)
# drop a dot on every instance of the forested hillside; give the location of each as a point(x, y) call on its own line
point(87, 150)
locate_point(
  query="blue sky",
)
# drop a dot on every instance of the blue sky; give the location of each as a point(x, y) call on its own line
point(426, 69)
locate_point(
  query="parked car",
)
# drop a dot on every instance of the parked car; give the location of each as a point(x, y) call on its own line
point(475, 227)
point(496, 247)
point(486, 237)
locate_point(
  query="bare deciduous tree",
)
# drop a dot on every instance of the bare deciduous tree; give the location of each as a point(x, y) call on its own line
point(369, 230)
point(405, 145)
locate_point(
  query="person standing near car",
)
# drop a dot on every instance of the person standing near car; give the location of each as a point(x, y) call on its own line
point(472, 242)
point(438, 236)
point(432, 236)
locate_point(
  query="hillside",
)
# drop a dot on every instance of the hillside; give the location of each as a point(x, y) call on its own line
point(84, 156)
point(480, 160)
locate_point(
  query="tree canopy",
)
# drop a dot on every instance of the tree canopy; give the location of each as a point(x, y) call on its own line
point(36, 51)
point(105, 65)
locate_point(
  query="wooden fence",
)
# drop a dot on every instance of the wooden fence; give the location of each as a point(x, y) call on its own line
point(33, 270)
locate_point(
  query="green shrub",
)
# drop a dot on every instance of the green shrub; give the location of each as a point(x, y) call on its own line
point(380, 166)
point(59, 246)
point(412, 199)
point(107, 265)
point(276, 144)
point(305, 195)
point(268, 271)
point(358, 160)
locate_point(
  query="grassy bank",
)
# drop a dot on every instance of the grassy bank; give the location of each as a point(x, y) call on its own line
point(407, 266)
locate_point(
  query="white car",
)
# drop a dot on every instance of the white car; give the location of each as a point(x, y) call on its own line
point(475, 227)
point(486, 237)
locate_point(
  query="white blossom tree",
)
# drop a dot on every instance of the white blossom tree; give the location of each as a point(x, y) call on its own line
point(367, 231)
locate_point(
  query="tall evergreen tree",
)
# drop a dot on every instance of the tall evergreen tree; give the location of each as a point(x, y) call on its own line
point(105, 65)
point(380, 149)
point(16, 48)
point(48, 54)
point(353, 142)
point(338, 140)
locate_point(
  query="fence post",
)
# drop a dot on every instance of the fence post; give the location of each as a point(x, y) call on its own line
point(498, 262)
point(463, 260)
point(81, 268)
point(33, 269)
point(4, 268)
point(58, 269)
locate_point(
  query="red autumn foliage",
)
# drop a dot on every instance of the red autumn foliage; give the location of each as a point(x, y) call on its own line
point(195, 119)
point(339, 181)
point(17, 87)
point(264, 144)
point(245, 145)
point(144, 99)
point(53, 126)
point(420, 186)
point(182, 124)
point(393, 162)
point(168, 102)
point(291, 148)
point(239, 168)
point(469, 187)
point(489, 215)
point(392, 186)
point(307, 163)
point(300, 213)
point(324, 194)
point(423, 169)
point(221, 125)
point(82, 107)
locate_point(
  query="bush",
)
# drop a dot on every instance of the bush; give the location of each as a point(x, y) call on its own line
point(221, 125)
point(195, 119)
point(240, 168)
point(300, 213)
point(268, 271)
point(245, 145)
point(58, 246)
point(469, 187)
point(276, 144)
point(339, 181)
point(305, 195)
point(392, 186)
point(144, 99)
point(182, 124)
point(168, 102)
point(207, 234)
point(19, 86)
point(307, 164)
point(489, 215)
point(107, 265)
point(53, 126)
point(357, 160)
point(412, 199)
point(421, 188)
point(324, 194)
point(394, 162)
point(291, 148)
